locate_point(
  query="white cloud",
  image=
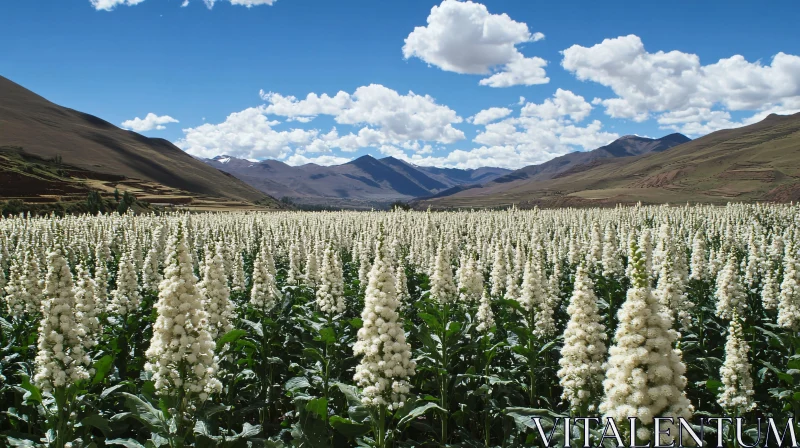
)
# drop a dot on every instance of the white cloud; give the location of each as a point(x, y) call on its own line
point(301, 119)
point(676, 85)
point(701, 121)
point(108, 5)
point(247, 3)
point(148, 123)
point(489, 115)
point(246, 134)
point(463, 37)
point(541, 132)
point(563, 103)
point(410, 127)
point(395, 117)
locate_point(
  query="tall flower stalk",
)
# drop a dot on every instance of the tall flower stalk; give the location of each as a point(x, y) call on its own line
point(386, 365)
point(181, 354)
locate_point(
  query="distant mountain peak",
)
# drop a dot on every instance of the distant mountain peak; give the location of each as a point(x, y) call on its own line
point(222, 158)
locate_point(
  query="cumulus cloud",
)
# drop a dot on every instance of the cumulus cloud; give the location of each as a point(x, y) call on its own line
point(108, 5)
point(463, 37)
point(247, 3)
point(410, 127)
point(246, 134)
point(541, 132)
point(679, 90)
point(148, 123)
point(378, 115)
point(563, 103)
point(701, 121)
point(489, 115)
point(393, 117)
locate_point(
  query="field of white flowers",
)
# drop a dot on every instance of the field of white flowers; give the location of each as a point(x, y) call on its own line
point(393, 328)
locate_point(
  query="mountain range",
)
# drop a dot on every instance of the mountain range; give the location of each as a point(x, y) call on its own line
point(361, 183)
point(759, 162)
point(105, 156)
point(50, 153)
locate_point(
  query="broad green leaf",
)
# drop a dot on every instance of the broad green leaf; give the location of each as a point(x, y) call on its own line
point(347, 427)
point(256, 327)
point(432, 321)
point(231, 336)
point(144, 412)
point(102, 367)
point(318, 406)
point(34, 395)
point(110, 390)
point(249, 431)
point(127, 443)
point(297, 383)
point(418, 412)
point(350, 393)
point(327, 335)
point(713, 386)
point(97, 421)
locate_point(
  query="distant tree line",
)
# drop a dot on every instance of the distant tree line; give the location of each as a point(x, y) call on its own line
point(93, 205)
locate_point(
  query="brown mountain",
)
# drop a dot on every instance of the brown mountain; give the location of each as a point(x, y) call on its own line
point(47, 130)
point(759, 162)
point(362, 183)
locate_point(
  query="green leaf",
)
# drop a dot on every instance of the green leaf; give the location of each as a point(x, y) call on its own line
point(249, 431)
point(431, 320)
point(146, 413)
point(713, 386)
point(101, 368)
point(255, 326)
point(110, 390)
point(350, 393)
point(34, 395)
point(453, 328)
point(127, 443)
point(231, 336)
point(313, 353)
point(356, 323)
point(297, 383)
point(418, 412)
point(347, 427)
point(96, 421)
point(327, 335)
point(522, 416)
point(318, 406)
point(547, 346)
point(15, 442)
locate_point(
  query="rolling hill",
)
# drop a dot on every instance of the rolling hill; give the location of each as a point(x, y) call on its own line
point(36, 127)
point(759, 162)
point(362, 183)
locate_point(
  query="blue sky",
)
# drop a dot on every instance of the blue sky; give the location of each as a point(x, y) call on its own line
point(588, 71)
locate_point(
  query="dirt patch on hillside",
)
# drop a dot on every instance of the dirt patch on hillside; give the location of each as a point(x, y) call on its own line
point(661, 179)
point(763, 175)
point(17, 185)
point(784, 193)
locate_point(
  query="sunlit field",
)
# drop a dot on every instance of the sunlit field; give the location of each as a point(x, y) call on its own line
point(402, 329)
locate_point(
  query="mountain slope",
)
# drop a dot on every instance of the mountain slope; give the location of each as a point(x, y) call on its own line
point(626, 146)
point(363, 182)
point(45, 129)
point(752, 163)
